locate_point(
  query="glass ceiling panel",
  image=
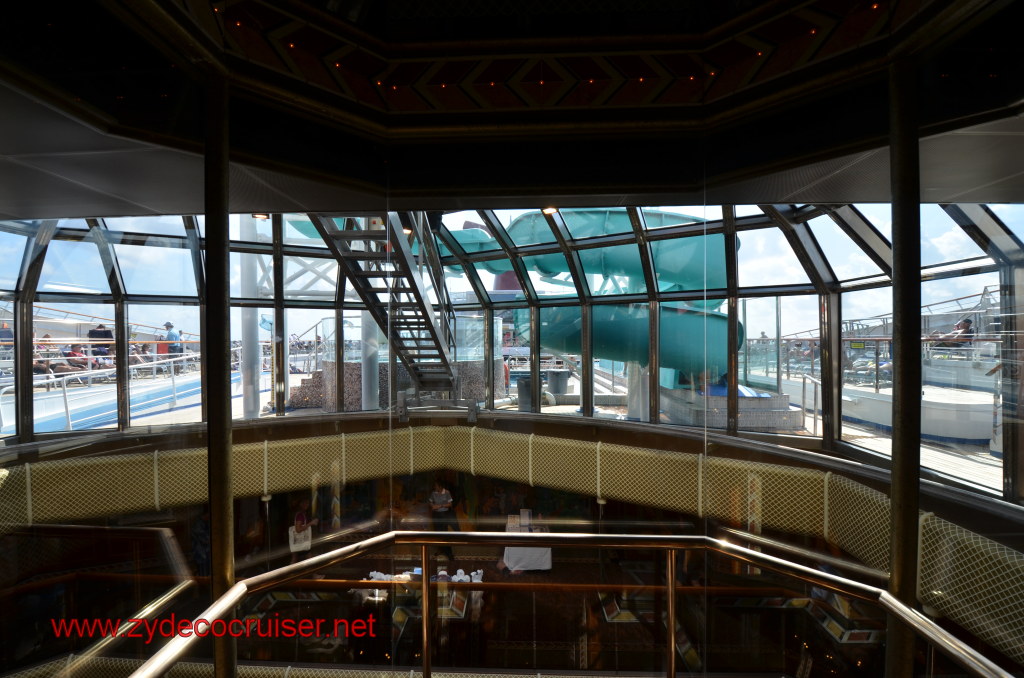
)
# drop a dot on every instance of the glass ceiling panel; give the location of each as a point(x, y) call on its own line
point(526, 227)
point(550, 276)
point(1012, 216)
point(765, 258)
point(164, 225)
point(499, 280)
point(79, 224)
point(459, 289)
point(747, 211)
point(299, 230)
point(469, 230)
point(846, 258)
point(692, 263)
point(309, 278)
point(156, 270)
point(73, 267)
point(942, 240)
point(12, 251)
point(594, 222)
point(661, 217)
point(880, 216)
point(614, 270)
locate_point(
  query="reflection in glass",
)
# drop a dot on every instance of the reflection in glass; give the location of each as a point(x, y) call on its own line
point(468, 229)
point(526, 227)
point(459, 290)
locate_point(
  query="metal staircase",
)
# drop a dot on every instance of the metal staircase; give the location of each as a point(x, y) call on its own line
point(380, 265)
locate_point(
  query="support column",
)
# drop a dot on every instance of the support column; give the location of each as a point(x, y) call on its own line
point(217, 318)
point(732, 328)
point(906, 416)
point(279, 340)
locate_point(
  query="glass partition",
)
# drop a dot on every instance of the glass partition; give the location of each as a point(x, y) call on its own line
point(561, 367)
point(621, 361)
point(164, 365)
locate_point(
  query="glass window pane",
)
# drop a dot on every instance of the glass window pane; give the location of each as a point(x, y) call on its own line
point(765, 258)
point(621, 336)
point(846, 258)
point(356, 343)
point(499, 280)
point(164, 366)
point(550, 275)
point(8, 378)
point(469, 230)
point(561, 331)
point(591, 223)
point(691, 263)
point(880, 216)
point(694, 337)
point(156, 270)
point(251, 378)
point(77, 224)
point(662, 217)
point(459, 289)
point(73, 267)
point(64, 358)
point(469, 354)
point(309, 278)
point(12, 251)
point(515, 352)
point(252, 276)
point(249, 228)
point(164, 225)
point(526, 227)
point(1012, 216)
point(748, 211)
point(299, 230)
point(309, 383)
point(614, 270)
point(942, 240)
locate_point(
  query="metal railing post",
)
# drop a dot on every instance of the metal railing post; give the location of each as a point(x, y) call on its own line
point(670, 612)
point(425, 609)
point(67, 407)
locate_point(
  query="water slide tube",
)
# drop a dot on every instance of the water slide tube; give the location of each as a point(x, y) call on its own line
point(694, 334)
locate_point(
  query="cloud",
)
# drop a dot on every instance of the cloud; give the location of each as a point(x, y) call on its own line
point(954, 244)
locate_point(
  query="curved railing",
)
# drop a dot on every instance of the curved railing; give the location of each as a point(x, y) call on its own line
point(965, 656)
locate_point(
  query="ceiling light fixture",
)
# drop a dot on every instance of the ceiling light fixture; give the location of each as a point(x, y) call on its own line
point(261, 217)
point(550, 210)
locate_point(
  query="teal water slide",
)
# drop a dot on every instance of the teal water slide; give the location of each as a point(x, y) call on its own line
point(694, 334)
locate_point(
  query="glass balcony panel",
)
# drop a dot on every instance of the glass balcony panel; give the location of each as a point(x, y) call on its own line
point(12, 251)
point(162, 225)
point(164, 374)
point(844, 256)
point(166, 271)
point(766, 258)
point(560, 360)
point(526, 227)
point(614, 270)
point(74, 267)
point(76, 379)
point(621, 341)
